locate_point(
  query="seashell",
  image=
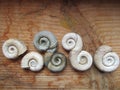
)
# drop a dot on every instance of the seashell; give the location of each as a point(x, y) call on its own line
point(80, 60)
point(106, 60)
point(55, 62)
point(45, 41)
point(12, 48)
point(33, 61)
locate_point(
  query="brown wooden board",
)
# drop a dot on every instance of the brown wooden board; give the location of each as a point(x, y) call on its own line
point(98, 22)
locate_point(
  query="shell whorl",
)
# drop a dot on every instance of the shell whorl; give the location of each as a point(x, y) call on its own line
point(12, 48)
point(45, 41)
point(80, 60)
point(106, 60)
point(33, 61)
point(55, 62)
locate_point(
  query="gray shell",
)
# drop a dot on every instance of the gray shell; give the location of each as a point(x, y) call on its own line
point(45, 41)
point(55, 62)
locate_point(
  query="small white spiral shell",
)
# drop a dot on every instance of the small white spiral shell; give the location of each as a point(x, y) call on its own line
point(106, 60)
point(12, 48)
point(80, 60)
point(33, 61)
point(72, 41)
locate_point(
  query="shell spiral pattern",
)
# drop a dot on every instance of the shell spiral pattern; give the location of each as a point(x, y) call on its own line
point(12, 48)
point(106, 60)
point(80, 60)
point(55, 62)
point(45, 41)
point(33, 61)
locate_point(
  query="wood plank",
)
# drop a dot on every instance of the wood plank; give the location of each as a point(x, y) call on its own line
point(98, 22)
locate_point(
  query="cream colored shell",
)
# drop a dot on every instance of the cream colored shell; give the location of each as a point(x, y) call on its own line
point(106, 60)
point(12, 48)
point(33, 61)
point(80, 60)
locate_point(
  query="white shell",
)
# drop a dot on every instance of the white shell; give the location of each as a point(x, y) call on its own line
point(106, 60)
point(80, 60)
point(33, 61)
point(12, 48)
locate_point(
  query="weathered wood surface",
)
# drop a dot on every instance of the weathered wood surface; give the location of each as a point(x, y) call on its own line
point(98, 22)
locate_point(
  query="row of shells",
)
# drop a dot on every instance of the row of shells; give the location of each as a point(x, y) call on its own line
point(45, 41)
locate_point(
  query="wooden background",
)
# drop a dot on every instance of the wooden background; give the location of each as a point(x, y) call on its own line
point(98, 22)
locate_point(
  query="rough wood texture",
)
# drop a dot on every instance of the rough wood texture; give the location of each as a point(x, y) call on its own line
point(98, 22)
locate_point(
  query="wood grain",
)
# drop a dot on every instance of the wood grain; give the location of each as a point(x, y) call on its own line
point(98, 22)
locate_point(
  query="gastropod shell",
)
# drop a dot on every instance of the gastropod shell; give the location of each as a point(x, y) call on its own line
point(106, 60)
point(12, 48)
point(33, 61)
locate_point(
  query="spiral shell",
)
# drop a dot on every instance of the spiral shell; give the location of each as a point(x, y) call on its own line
point(47, 42)
point(55, 62)
point(12, 48)
point(106, 60)
point(80, 60)
point(33, 61)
